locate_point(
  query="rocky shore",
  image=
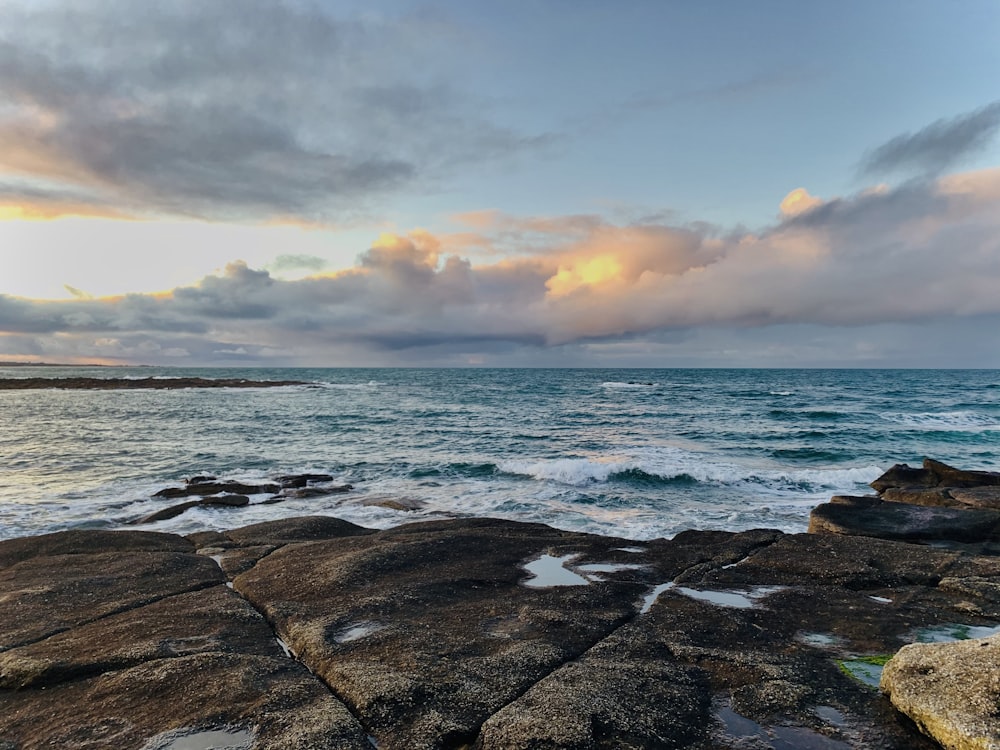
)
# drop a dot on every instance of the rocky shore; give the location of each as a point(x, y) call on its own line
point(480, 633)
point(110, 384)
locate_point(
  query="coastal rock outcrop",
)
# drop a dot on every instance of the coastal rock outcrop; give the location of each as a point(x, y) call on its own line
point(107, 384)
point(934, 503)
point(486, 634)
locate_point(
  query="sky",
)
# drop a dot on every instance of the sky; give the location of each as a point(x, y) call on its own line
point(551, 183)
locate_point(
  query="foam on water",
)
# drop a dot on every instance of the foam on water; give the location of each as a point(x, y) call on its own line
point(581, 450)
point(670, 463)
point(616, 385)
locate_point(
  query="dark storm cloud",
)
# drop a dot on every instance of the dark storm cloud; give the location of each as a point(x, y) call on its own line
point(229, 110)
point(935, 148)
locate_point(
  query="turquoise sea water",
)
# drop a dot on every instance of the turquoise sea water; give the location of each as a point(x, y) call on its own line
point(637, 453)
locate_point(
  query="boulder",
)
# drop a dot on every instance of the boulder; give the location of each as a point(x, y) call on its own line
point(948, 476)
point(950, 690)
point(902, 475)
point(933, 474)
point(904, 521)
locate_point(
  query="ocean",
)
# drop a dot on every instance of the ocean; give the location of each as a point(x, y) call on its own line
point(633, 453)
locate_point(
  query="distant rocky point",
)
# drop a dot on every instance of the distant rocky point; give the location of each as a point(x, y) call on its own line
point(313, 633)
point(16, 384)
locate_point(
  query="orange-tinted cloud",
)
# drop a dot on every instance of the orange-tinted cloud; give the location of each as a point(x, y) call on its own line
point(916, 255)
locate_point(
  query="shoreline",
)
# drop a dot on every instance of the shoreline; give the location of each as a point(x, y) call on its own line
point(312, 632)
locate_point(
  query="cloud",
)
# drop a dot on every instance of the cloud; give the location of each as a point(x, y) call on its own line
point(859, 268)
point(228, 111)
point(798, 202)
point(937, 147)
point(297, 263)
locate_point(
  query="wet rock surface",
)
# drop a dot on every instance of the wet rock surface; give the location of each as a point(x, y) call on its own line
point(477, 633)
point(230, 493)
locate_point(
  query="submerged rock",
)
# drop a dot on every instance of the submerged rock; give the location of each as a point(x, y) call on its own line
point(204, 489)
point(394, 503)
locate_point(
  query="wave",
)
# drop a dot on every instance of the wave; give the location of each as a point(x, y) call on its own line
point(947, 420)
point(683, 467)
point(612, 384)
point(459, 469)
point(807, 454)
point(817, 415)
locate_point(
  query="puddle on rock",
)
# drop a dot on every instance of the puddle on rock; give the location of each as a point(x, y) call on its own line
point(357, 631)
point(831, 716)
point(633, 550)
point(650, 599)
point(819, 640)
point(734, 599)
point(284, 647)
point(954, 632)
point(738, 725)
point(863, 671)
point(776, 737)
point(880, 599)
point(591, 570)
point(213, 739)
point(549, 570)
point(800, 738)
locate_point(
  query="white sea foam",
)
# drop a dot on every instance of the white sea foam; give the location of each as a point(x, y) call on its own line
point(613, 384)
point(672, 463)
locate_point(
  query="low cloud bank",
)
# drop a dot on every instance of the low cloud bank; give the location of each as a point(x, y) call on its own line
point(919, 254)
